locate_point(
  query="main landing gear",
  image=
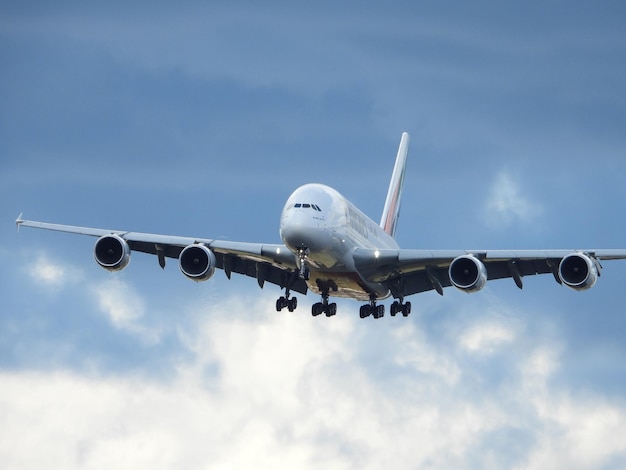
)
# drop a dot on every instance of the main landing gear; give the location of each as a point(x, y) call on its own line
point(400, 307)
point(324, 307)
point(302, 273)
point(285, 301)
point(290, 303)
point(377, 311)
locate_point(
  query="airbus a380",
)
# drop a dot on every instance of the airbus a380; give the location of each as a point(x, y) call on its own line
point(333, 249)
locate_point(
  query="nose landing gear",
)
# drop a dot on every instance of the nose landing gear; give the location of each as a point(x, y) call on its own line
point(303, 253)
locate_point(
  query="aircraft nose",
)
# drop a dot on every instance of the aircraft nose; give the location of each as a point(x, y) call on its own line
point(301, 230)
point(297, 235)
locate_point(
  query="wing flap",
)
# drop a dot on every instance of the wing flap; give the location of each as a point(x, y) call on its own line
point(262, 271)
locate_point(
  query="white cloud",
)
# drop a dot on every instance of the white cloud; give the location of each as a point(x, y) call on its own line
point(49, 272)
point(123, 307)
point(580, 433)
point(261, 389)
point(486, 338)
point(414, 349)
point(575, 430)
point(507, 205)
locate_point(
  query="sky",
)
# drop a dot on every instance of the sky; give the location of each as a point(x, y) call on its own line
point(200, 120)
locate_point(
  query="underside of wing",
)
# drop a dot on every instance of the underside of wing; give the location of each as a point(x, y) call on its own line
point(265, 262)
point(198, 257)
point(407, 272)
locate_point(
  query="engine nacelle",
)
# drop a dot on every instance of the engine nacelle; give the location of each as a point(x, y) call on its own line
point(112, 252)
point(197, 262)
point(578, 271)
point(468, 273)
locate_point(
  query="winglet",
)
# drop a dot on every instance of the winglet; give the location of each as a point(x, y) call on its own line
point(19, 221)
point(391, 212)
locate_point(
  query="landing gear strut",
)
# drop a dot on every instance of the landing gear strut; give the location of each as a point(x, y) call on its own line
point(285, 301)
point(377, 311)
point(303, 253)
point(324, 307)
point(301, 273)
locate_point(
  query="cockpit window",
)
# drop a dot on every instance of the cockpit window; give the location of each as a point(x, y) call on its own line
point(315, 207)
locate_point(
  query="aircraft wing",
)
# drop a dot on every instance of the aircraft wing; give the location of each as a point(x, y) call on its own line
point(408, 272)
point(272, 263)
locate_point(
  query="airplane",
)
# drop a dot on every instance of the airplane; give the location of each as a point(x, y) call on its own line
point(333, 249)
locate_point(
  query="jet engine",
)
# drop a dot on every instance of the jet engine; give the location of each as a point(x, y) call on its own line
point(112, 252)
point(578, 271)
point(468, 273)
point(197, 262)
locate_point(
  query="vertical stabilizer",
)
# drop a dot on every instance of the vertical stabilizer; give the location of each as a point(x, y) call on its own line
point(391, 212)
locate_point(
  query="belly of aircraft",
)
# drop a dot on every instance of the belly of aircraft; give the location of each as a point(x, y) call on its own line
point(344, 284)
point(331, 267)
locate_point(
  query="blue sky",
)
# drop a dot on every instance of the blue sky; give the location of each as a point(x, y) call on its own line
point(200, 121)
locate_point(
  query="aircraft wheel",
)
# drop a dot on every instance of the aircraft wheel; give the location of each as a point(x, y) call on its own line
point(292, 304)
point(406, 309)
point(379, 311)
point(331, 309)
point(317, 309)
point(395, 308)
point(365, 311)
point(281, 303)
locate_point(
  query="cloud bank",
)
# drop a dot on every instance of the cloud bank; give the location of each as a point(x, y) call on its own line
point(275, 390)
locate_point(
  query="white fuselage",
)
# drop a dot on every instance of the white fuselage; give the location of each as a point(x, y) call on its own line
point(319, 220)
